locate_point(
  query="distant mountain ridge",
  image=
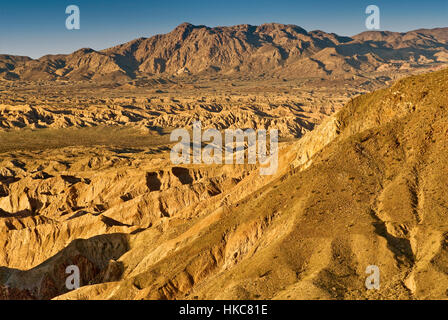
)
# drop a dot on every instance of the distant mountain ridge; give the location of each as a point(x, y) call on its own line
point(273, 48)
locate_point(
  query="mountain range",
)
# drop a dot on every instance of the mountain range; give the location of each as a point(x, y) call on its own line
point(267, 50)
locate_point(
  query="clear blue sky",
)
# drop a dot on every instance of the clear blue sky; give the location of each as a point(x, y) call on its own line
point(35, 28)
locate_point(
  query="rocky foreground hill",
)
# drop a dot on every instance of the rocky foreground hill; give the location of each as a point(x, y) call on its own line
point(365, 187)
point(266, 50)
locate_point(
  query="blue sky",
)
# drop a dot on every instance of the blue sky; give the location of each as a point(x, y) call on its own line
point(35, 28)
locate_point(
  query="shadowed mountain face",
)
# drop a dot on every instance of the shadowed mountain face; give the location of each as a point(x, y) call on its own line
point(274, 49)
